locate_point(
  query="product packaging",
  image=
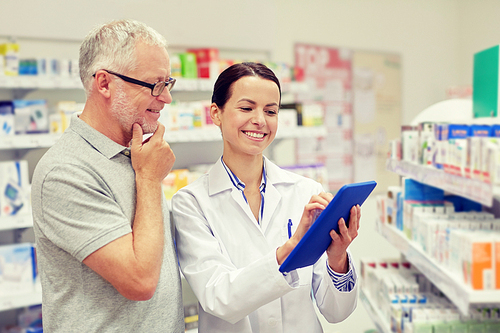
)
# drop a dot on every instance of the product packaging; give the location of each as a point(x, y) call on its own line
point(60, 120)
point(16, 269)
point(10, 52)
point(6, 118)
point(409, 143)
point(207, 61)
point(312, 114)
point(14, 188)
point(456, 156)
point(478, 260)
point(485, 83)
point(189, 68)
point(287, 118)
point(391, 201)
point(474, 148)
point(31, 116)
point(175, 65)
point(426, 143)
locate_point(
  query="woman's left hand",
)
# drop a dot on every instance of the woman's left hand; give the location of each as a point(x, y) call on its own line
point(337, 251)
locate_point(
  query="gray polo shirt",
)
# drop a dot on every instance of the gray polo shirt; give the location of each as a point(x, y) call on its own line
point(83, 197)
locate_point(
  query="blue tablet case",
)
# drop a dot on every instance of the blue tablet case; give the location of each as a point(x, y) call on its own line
point(317, 239)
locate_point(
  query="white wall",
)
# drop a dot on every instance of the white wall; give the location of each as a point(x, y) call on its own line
point(479, 30)
point(424, 33)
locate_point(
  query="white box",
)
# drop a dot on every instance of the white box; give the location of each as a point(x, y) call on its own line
point(16, 269)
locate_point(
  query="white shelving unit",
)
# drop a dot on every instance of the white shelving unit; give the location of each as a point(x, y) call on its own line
point(374, 313)
point(16, 222)
point(455, 289)
point(213, 134)
point(20, 300)
point(472, 189)
point(34, 141)
point(28, 141)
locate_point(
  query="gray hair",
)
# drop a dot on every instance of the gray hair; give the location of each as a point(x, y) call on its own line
point(112, 46)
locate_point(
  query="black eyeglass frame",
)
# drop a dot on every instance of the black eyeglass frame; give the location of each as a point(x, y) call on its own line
point(168, 84)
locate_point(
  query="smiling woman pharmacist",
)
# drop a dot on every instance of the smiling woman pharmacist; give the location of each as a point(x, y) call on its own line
point(232, 229)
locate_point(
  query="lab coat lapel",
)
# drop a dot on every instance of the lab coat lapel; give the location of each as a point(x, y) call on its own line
point(271, 202)
point(238, 197)
point(219, 181)
point(275, 177)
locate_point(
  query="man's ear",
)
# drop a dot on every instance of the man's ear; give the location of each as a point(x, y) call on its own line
point(102, 82)
point(215, 114)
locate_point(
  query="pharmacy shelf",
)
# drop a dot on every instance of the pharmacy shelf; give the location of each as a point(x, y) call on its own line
point(56, 82)
point(374, 313)
point(213, 134)
point(465, 187)
point(450, 284)
point(40, 82)
point(32, 141)
point(28, 141)
point(45, 82)
point(20, 301)
point(16, 222)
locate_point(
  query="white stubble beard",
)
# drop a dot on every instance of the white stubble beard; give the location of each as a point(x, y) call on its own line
point(124, 111)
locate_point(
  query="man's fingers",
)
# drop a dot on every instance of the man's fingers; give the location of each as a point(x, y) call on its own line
point(136, 135)
point(160, 132)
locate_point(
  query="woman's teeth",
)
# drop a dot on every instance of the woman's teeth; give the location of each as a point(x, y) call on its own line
point(255, 135)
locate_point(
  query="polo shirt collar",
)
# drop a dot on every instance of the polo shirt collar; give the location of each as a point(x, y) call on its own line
point(96, 139)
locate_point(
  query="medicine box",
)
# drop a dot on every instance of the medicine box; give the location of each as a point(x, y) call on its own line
point(189, 68)
point(16, 269)
point(478, 260)
point(31, 116)
point(6, 118)
point(485, 92)
point(207, 61)
point(14, 188)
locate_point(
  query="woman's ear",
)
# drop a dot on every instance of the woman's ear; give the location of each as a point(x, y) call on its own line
point(215, 114)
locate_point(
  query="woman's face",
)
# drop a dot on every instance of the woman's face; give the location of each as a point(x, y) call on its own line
point(249, 119)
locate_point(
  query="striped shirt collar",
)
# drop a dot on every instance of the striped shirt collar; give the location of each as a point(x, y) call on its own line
point(237, 183)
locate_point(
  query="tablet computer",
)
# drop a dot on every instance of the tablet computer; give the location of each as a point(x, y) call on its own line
point(317, 239)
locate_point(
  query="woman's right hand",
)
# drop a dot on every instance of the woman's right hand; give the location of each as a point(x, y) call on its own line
point(316, 204)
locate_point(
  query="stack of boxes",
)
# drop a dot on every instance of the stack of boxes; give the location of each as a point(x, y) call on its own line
point(409, 303)
point(18, 273)
point(451, 230)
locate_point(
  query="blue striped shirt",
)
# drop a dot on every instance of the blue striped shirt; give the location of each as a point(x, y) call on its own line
point(343, 282)
point(241, 186)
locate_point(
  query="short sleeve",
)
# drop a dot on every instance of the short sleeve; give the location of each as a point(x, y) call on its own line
point(79, 212)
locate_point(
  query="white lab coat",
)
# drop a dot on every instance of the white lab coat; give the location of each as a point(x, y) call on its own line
point(230, 262)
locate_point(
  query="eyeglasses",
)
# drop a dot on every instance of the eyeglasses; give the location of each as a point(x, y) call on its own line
point(156, 88)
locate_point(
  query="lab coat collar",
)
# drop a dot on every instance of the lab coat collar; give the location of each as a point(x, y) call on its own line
point(219, 181)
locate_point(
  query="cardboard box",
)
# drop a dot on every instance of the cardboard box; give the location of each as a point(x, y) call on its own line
point(16, 269)
point(207, 60)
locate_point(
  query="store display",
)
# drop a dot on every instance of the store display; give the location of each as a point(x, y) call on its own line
point(470, 151)
point(406, 301)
